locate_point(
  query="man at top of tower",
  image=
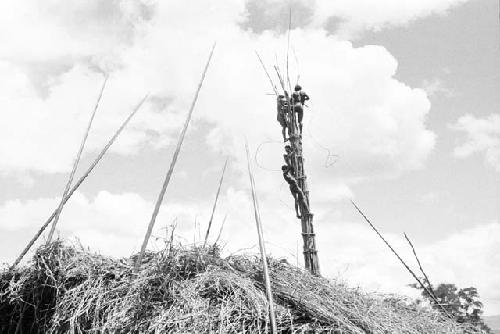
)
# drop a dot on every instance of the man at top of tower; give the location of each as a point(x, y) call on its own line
point(282, 111)
point(299, 97)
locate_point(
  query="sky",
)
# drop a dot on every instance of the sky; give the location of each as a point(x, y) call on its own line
point(403, 119)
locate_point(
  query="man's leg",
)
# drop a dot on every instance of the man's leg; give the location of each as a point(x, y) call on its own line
point(300, 115)
point(302, 200)
point(297, 206)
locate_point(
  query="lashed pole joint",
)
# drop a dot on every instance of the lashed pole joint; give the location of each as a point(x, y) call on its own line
point(171, 168)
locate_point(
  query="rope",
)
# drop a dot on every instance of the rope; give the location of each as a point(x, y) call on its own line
point(329, 154)
point(257, 151)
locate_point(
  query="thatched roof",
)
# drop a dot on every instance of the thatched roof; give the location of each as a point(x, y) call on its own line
point(66, 289)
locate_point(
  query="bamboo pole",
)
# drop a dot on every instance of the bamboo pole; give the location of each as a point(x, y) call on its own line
point(262, 246)
point(75, 164)
point(267, 74)
point(215, 203)
point(288, 48)
point(80, 181)
point(401, 260)
point(172, 165)
point(420, 266)
point(220, 230)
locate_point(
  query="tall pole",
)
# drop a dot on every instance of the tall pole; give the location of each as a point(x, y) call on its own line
point(262, 247)
point(215, 203)
point(75, 164)
point(79, 182)
point(172, 165)
point(311, 259)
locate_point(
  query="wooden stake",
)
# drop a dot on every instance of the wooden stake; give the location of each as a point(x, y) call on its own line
point(401, 260)
point(420, 265)
point(215, 203)
point(220, 230)
point(262, 246)
point(267, 73)
point(80, 181)
point(171, 168)
point(75, 164)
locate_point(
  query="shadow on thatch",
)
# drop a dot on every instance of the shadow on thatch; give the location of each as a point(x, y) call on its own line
point(192, 290)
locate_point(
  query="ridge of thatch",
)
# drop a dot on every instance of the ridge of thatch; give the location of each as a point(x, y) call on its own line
point(66, 289)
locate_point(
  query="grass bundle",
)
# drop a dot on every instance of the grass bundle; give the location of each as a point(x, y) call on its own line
point(67, 289)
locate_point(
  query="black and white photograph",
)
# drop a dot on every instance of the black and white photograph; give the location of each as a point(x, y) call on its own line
point(250, 166)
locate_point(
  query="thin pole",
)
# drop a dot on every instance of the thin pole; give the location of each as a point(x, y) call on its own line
point(80, 181)
point(267, 73)
point(420, 265)
point(75, 163)
point(400, 259)
point(220, 230)
point(172, 165)
point(288, 47)
point(215, 203)
point(262, 246)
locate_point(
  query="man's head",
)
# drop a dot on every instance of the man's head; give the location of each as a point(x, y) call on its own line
point(284, 168)
point(288, 148)
point(298, 88)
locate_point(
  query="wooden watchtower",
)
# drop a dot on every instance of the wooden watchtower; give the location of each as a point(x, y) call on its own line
point(308, 236)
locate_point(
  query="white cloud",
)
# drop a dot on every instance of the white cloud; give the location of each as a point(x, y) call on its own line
point(347, 18)
point(361, 112)
point(430, 197)
point(375, 15)
point(66, 31)
point(482, 136)
point(114, 224)
point(436, 86)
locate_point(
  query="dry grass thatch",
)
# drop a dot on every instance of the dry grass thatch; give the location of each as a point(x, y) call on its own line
point(66, 289)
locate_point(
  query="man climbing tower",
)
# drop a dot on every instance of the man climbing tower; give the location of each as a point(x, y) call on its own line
point(282, 112)
point(288, 157)
point(297, 193)
point(299, 97)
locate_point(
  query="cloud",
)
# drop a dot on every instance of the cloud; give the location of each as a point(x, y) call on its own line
point(114, 224)
point(376, 15)
point(473, 251)
point(361, 112)
point(347, 18)
point(482, 136)
point(74, 31)
point(430, 197)
point(435, 87)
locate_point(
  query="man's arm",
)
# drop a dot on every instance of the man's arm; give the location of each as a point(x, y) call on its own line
point(305, 97)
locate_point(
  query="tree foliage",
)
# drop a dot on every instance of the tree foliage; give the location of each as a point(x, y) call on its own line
point(462, 304)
